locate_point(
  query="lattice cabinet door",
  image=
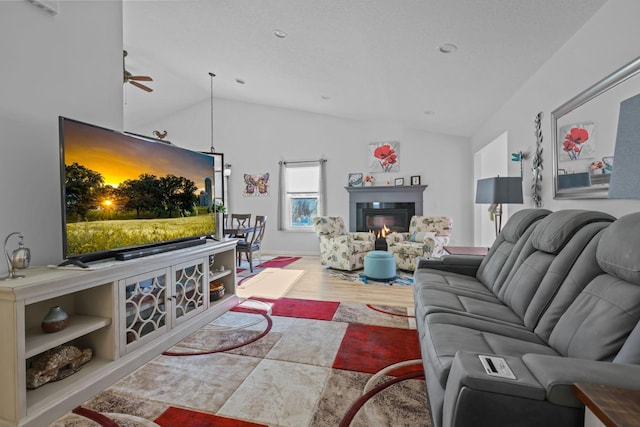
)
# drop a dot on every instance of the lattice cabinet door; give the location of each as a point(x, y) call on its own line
point(143, 302)
point(189, 289)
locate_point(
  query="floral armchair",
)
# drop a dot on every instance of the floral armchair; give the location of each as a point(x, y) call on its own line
point(339, 249)
point(427, 237)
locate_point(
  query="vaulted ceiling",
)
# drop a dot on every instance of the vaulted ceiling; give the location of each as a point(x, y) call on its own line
point(373, 60)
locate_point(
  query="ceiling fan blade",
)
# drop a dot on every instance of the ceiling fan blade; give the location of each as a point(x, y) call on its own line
point(141, 78)
point(141, 86)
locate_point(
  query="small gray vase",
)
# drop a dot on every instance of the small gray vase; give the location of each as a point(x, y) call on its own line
point(55, 320)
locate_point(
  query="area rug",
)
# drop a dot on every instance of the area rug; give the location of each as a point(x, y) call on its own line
point(301, 371)
point(401, 279)
point(243, 272)
point(269, 283)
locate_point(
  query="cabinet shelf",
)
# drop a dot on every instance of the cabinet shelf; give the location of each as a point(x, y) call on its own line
point(219, 274)
point(172, 288)
point(37, 341)
point(51, 390)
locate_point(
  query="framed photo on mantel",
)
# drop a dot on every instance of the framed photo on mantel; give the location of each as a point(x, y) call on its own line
point(415, 180)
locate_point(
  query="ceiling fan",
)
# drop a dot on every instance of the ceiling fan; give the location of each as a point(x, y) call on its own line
point(130, 78)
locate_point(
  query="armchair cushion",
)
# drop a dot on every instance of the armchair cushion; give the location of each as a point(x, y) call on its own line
point(339, 249)
point(420, 236)
point(427, 238)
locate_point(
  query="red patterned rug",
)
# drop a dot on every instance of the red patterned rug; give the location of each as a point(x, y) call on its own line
point(179, 417)
point(277, 262)
point(311, 363)
point(300, 308)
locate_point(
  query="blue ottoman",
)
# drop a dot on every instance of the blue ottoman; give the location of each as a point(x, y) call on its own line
point(379, 265)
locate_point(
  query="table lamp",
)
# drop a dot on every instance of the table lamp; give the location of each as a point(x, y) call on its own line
point(497, 191)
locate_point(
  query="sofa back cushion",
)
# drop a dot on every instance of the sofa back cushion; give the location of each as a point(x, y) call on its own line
point(505, 249)
point(630, 351)
point(583, 271)
point(602, 317)
point(543, 265)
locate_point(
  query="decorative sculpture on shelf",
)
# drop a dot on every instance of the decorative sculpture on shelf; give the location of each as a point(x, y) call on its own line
point(56, 364)
point(19, 258)
point(160, 135)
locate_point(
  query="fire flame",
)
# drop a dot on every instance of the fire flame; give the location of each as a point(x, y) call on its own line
point(382, 233)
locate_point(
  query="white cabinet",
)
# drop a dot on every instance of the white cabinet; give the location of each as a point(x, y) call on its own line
point(143, 307)
point(127, 312)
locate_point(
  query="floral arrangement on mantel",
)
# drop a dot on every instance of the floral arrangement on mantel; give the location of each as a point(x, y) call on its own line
point(369, 180)
point(597, 167)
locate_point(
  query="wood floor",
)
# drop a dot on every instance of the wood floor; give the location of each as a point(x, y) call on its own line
point(317, 284)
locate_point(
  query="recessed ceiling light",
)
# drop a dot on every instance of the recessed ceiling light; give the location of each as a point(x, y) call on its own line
point(239, 80)
point(429, 112)
point(447, 48)
point(279, 34)
point(325, 97)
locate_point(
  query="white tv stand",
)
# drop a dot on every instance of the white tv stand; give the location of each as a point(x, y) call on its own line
point(127, 311)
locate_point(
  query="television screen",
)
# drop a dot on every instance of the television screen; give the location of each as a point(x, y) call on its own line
point(122, 192)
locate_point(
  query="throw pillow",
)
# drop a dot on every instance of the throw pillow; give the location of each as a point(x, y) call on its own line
point(419, 236)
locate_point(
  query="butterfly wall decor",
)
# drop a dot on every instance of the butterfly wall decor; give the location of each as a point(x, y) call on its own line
point(256, 185)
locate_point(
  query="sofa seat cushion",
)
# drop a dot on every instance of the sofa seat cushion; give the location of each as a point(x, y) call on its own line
point(443, 338)
point(459, 284)
point(437, 301)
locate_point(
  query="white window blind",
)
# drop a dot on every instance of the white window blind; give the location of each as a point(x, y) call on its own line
point(301, 194)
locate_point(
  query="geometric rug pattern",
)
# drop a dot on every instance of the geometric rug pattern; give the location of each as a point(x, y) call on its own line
point(243, 272)
point(315, 360)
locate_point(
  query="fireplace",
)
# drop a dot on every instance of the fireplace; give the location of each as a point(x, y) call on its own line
point(370, 208)
point(390, 215)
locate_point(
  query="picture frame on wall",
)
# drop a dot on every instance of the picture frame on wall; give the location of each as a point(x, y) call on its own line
point(415, 180)
point(399, 181)
point(355, 179)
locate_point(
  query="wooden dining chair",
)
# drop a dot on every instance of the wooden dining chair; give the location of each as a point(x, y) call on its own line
point(239, 221)
point(253, 243)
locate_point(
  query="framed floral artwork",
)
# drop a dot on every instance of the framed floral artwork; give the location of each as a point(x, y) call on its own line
point(384, 156)
point(577, 142)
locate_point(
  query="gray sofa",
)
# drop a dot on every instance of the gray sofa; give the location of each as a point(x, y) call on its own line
point(556, 301)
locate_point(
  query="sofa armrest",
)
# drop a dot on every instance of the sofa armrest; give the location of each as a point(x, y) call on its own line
point(558, 375)
point(467, 371)
point(462, 264)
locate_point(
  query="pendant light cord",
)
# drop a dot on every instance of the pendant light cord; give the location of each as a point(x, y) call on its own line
point(213, 150)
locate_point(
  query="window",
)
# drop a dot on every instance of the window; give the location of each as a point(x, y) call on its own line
point(301, 194)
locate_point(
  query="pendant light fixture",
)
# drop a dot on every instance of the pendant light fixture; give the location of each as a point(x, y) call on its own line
point(213, 150)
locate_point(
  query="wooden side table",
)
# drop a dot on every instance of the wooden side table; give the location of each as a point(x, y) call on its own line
point(608, 406)
point(466, 250)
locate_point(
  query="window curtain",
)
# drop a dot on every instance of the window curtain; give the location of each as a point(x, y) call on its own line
point(283, 190)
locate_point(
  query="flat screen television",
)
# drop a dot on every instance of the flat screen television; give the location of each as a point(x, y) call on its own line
point(124, 194)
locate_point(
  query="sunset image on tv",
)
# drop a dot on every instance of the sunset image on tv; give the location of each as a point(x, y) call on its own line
point(121, 191)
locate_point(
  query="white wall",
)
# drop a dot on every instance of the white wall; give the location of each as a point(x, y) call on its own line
point(605, 43)
point(71, 65)
point(254, 138)
point(490, 161)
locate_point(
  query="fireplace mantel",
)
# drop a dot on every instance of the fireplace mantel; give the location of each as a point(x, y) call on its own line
point(387, 189)
point(381, 193)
